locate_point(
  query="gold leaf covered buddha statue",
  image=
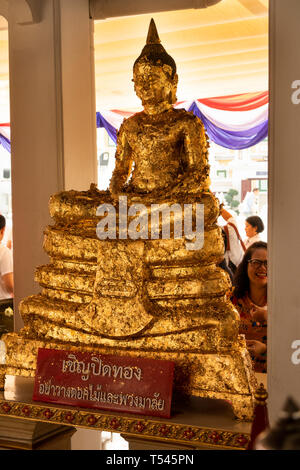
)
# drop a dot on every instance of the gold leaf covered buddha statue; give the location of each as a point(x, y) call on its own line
point(144, 296)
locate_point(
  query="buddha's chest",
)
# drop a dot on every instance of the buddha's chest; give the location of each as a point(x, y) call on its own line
point(153, 137)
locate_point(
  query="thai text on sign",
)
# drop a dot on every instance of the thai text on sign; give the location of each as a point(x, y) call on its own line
point(121, 383)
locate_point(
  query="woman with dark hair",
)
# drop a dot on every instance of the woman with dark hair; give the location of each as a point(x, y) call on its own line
point(250, 298)
point(253, 227)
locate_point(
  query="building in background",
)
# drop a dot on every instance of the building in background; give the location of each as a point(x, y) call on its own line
point(106, 149)
point(242, 170)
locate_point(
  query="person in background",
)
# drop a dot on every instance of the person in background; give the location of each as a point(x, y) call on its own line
point(6, 266)
point(234, 246)
point(9, 242)
point(222, 263)
point(253, 227)
point(250, 203)
point(250, 298)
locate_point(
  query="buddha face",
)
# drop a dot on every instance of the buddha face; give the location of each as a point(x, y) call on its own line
point(153, 84)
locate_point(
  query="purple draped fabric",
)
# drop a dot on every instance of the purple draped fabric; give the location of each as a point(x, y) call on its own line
point(234, 140)
point(101, 122)
point(4, 141)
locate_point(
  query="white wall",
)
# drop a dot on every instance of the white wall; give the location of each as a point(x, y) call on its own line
point(53, 123)
point(284, 197)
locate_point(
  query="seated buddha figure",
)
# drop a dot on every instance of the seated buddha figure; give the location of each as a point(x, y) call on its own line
point(167, 146)
point(142, 297)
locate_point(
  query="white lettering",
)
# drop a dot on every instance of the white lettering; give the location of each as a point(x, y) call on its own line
point(106, 228)
point(165, 211)
point(296, 354)
point(138, 227)
point(197, 236)
point(163, 215)
point(296, 95)
point(123, 217)
point(118, 460)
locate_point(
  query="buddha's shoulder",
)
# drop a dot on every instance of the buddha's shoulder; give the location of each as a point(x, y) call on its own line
point(133, 120)
point(188, 117)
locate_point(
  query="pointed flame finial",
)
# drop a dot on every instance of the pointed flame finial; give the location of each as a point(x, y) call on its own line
point(152, 37)
point(154, 52)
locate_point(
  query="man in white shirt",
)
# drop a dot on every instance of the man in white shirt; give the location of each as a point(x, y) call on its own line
point(6, 266)
point(250, 204)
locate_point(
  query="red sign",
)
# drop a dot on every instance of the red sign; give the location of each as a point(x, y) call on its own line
point(120, 383)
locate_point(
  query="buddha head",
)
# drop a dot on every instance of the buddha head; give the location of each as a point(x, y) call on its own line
point(154, 72)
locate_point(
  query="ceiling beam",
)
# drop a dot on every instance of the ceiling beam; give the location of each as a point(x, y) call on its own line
point(4, 8)
point(207, 33)
point(131, 28)
point(25, 11)
point(256, 8)
point(101, 9)
point(220, 48)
